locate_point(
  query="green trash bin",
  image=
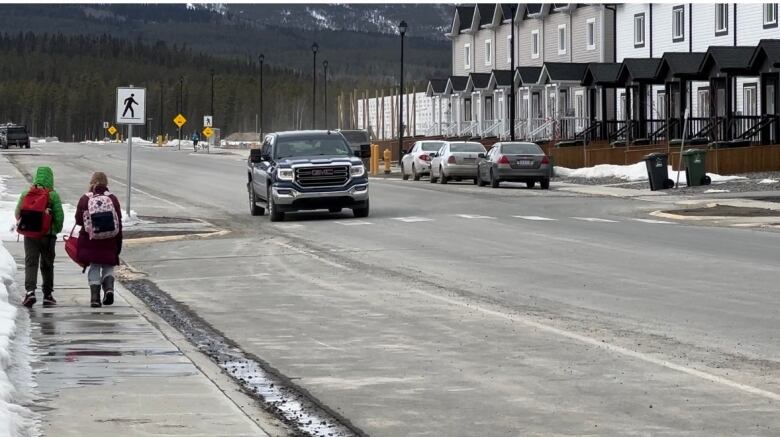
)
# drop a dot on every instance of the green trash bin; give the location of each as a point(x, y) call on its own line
point(695, 169)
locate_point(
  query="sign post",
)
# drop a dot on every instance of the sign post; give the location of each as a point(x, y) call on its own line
point(130, 110)
point(179, 121)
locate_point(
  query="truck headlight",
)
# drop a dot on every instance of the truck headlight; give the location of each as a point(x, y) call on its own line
point(357, 171)
point(285, 174)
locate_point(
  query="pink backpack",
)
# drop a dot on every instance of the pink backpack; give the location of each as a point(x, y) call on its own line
point(100, 219)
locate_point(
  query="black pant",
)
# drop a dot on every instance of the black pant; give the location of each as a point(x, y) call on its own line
point(39, 251)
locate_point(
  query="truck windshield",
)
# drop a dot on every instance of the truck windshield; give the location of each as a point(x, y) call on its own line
point(332, 145)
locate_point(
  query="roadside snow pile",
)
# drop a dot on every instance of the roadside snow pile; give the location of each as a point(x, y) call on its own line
point(175, 143)
point(716, 191)
point(631, 173)
point(15, 371)
point(130, 220)
point(768, 181)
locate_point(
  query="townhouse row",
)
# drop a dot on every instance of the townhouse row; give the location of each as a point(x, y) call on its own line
point(623, 72)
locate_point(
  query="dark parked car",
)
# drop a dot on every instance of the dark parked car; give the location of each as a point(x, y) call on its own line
point(514, 162)
point(14, 135)
point(307, 170)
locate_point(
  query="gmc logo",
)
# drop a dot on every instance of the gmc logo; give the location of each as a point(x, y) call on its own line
point(322, 172)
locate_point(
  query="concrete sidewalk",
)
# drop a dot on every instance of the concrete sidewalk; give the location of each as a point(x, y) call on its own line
point(116, 370)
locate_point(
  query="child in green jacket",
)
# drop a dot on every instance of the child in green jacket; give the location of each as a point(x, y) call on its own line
point(40, 251)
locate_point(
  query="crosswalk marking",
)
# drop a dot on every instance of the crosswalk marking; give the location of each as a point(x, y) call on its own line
point(353, 223)
point(659, 222)
point(534, 218)
point(472, 216)
point(594, 219)
point(412, 219)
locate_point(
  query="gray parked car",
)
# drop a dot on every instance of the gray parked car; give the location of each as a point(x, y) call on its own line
point(417, 162)
point(456, 160)
point(514, 162)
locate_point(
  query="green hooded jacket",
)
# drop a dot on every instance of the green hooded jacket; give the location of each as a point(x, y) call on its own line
point(44, 177)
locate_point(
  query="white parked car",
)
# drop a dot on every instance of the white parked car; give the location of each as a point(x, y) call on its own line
point(456, 160)
point(417, 162)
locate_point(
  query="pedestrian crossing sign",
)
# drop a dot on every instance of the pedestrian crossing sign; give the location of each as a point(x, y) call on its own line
point(179, 120)
point(208, 132)
point(112, 130)
point(130, 105)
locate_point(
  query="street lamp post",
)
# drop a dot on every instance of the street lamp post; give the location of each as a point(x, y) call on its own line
point(402, 30)
point(261, 58)
point(325, 85)
point(162, 115)
point(181, 103)
point(512, 84)
point(212, 96)
point(314, 49)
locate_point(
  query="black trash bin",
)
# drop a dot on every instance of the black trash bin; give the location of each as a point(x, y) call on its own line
point(658, 171)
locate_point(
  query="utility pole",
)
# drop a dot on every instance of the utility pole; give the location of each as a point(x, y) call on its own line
point(261, 58)
point(181, 103)
point(162, 115)
point(512, 82)
point(402, 30)
point(314, 48)
point(325, 85)
point(212, 96)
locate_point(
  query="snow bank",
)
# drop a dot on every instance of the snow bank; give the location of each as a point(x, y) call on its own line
point(768, 181)
point(132, 220)
point(630, 173)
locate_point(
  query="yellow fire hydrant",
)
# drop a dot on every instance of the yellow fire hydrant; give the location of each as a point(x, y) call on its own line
point(387, 156)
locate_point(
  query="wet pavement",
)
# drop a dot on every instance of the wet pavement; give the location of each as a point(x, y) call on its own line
point(110, 371)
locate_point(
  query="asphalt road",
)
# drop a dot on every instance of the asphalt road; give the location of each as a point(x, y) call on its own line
point(462, 311)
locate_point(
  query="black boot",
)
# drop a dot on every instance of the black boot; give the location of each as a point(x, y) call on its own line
point(94, 291)
point(108, 289)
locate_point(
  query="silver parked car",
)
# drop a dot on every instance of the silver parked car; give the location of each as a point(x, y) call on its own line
point(456, 160)
point(515, 162)
point(417, 162)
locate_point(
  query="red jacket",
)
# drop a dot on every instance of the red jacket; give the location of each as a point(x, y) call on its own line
point(98, 251)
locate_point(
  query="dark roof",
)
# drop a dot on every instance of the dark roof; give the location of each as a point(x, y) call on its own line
point(565, 71)
point(769, 49)
point(459, 82)
point(486, 11)
point(639, 70)
point(533, 8)
point(528, 74)
point(604, 74)
point(503, 77)
point(680, 64)
point(506, 10)
point(480, 80)
point(466, 15)
point(437, 85)
point(728, 59)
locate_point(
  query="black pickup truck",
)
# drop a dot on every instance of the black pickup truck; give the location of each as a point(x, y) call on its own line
point(14, 135)
point(307, 170)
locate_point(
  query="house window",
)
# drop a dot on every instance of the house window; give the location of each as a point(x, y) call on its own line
point(488, 52)
point(770, 15)
point(562, 39)
point(721, 19)
point(535, 44)
point(467, 56)
point(639, 30)
point(489, 108)
point(590, 34)
point(660, 105)
point(678, 23)
point(467, 110)
point(750, 99)
point(509, 49)
point(703, 101)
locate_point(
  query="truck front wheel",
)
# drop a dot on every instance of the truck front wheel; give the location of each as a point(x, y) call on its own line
point(273, 211)
point(361, 212)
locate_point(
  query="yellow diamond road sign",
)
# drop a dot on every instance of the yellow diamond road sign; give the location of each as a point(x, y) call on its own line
point(112, 130)
point(179, 120)
point(208, 132)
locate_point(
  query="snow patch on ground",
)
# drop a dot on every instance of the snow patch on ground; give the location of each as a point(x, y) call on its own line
point(630, 173)
point(711, 190)
point(768, 181)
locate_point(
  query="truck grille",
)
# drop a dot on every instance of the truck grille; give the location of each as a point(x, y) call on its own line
point(322, 176)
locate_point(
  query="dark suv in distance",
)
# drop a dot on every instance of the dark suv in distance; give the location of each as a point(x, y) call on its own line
point(14, 135)
point(307, 170)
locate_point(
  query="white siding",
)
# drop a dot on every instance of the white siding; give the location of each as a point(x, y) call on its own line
point(502, 51)
point(580, 52)
point(625, 31)
point(703, 16)
point(663, 39)
point(750, 25)
point(524, 43)
point(479, 50)
point(551, 24)
point(458, 44)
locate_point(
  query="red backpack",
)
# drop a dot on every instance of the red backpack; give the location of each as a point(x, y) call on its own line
point(34, 217)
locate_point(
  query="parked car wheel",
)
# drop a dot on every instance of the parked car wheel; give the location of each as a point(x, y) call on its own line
point(404, 176)
point(475, 181)
point(442, 178)
point(273, 212)
point(433, 179)
point(494, 182)
point(415, 175)
point(530, 184)
point(361, 212)
point(27, 146)
point(253, 208)
point(545, 183)
point(480, 182)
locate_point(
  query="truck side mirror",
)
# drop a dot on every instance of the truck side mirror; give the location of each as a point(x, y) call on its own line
point(256, 156)
point(365, 151)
